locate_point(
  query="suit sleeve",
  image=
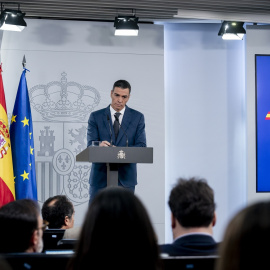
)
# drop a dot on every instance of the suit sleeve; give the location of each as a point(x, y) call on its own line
point(92, 130)
point(140, 137)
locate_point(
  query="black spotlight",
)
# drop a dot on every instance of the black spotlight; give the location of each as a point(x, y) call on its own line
point(12, 20)
point(126, 26)
point(232, 30)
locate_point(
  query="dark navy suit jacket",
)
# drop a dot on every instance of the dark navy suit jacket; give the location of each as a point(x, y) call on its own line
point(100, 129)
point(191, 245)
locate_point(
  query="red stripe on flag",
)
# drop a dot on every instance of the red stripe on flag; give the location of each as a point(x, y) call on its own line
point(2, 94)
point(6, 195)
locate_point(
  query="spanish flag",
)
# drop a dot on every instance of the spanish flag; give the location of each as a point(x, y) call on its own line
point(267, 116)
point(7, 187)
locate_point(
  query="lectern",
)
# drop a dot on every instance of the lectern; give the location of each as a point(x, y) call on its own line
point(115, 155)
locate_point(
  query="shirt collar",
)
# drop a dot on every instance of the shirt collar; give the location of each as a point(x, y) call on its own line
point(113, 111)
point(187, 234)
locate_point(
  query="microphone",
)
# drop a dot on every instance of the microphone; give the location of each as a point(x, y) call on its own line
point(117, 119)
point(108, 119)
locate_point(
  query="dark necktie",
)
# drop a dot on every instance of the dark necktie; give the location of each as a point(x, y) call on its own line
point(116, 124)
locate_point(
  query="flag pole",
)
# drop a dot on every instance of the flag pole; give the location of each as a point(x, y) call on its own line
point(24, 62)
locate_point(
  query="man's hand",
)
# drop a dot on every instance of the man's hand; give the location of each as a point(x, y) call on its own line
point(104, 143)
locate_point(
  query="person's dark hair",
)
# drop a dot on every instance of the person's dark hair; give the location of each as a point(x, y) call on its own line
point(18, 221)
point(55, 209)
point(192, 203)
point(122, 84)
point(246, 239)
point(117, 234)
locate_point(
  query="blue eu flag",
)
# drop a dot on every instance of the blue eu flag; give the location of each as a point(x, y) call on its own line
point(22, 144)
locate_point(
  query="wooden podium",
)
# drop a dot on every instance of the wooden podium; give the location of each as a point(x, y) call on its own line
point(115, 155)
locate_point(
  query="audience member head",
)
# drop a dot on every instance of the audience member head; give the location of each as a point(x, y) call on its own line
point(59, 212)
point(246, 239)
point(117, 234)
point(192, 207)
point(21, 227)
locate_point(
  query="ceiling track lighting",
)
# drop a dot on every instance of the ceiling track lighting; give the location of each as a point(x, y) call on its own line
point(232, 30)
point(126, 25)
point(12, 20)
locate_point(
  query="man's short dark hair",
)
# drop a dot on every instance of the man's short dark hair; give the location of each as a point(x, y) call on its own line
point(122, 84)
point(55, 209)
point(18, 221)
point(192, 203)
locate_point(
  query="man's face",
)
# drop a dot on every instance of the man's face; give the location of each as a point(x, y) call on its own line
point(39, 242)
point(119, 98)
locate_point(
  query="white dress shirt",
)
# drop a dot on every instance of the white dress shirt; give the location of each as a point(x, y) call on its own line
point(113, 113)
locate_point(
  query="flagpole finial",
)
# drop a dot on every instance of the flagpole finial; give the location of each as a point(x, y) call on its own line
point(24, 62)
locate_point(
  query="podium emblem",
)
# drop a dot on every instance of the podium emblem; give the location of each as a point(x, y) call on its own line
point(121, 155)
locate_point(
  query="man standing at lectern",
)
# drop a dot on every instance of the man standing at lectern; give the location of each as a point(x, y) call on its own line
point(116, 125)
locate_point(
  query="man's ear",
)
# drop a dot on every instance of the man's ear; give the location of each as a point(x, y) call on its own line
point(67, 221)
point(214, 220)
point(173, 221)
point(34, 240)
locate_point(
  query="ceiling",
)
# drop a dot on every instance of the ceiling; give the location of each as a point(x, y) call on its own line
point(147, 11)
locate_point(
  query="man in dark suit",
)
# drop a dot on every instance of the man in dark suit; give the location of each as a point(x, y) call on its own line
point(192, 219)
point(102, 126)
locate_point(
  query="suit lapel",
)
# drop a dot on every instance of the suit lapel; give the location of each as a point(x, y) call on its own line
point(124, 125)
point(108, 126)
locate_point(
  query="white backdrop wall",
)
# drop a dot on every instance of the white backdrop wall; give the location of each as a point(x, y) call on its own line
point(204, 103)
point(205, 115)
point(258, 40)
point(66, 57)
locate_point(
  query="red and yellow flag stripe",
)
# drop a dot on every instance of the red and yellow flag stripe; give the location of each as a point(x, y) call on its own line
point(7, 188)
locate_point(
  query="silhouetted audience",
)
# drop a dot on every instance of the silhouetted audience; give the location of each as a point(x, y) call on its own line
point(193, 216)
point(59, 212)
point(4, 265)
point(21, 227)
point(246, 239)
point(116, 234)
